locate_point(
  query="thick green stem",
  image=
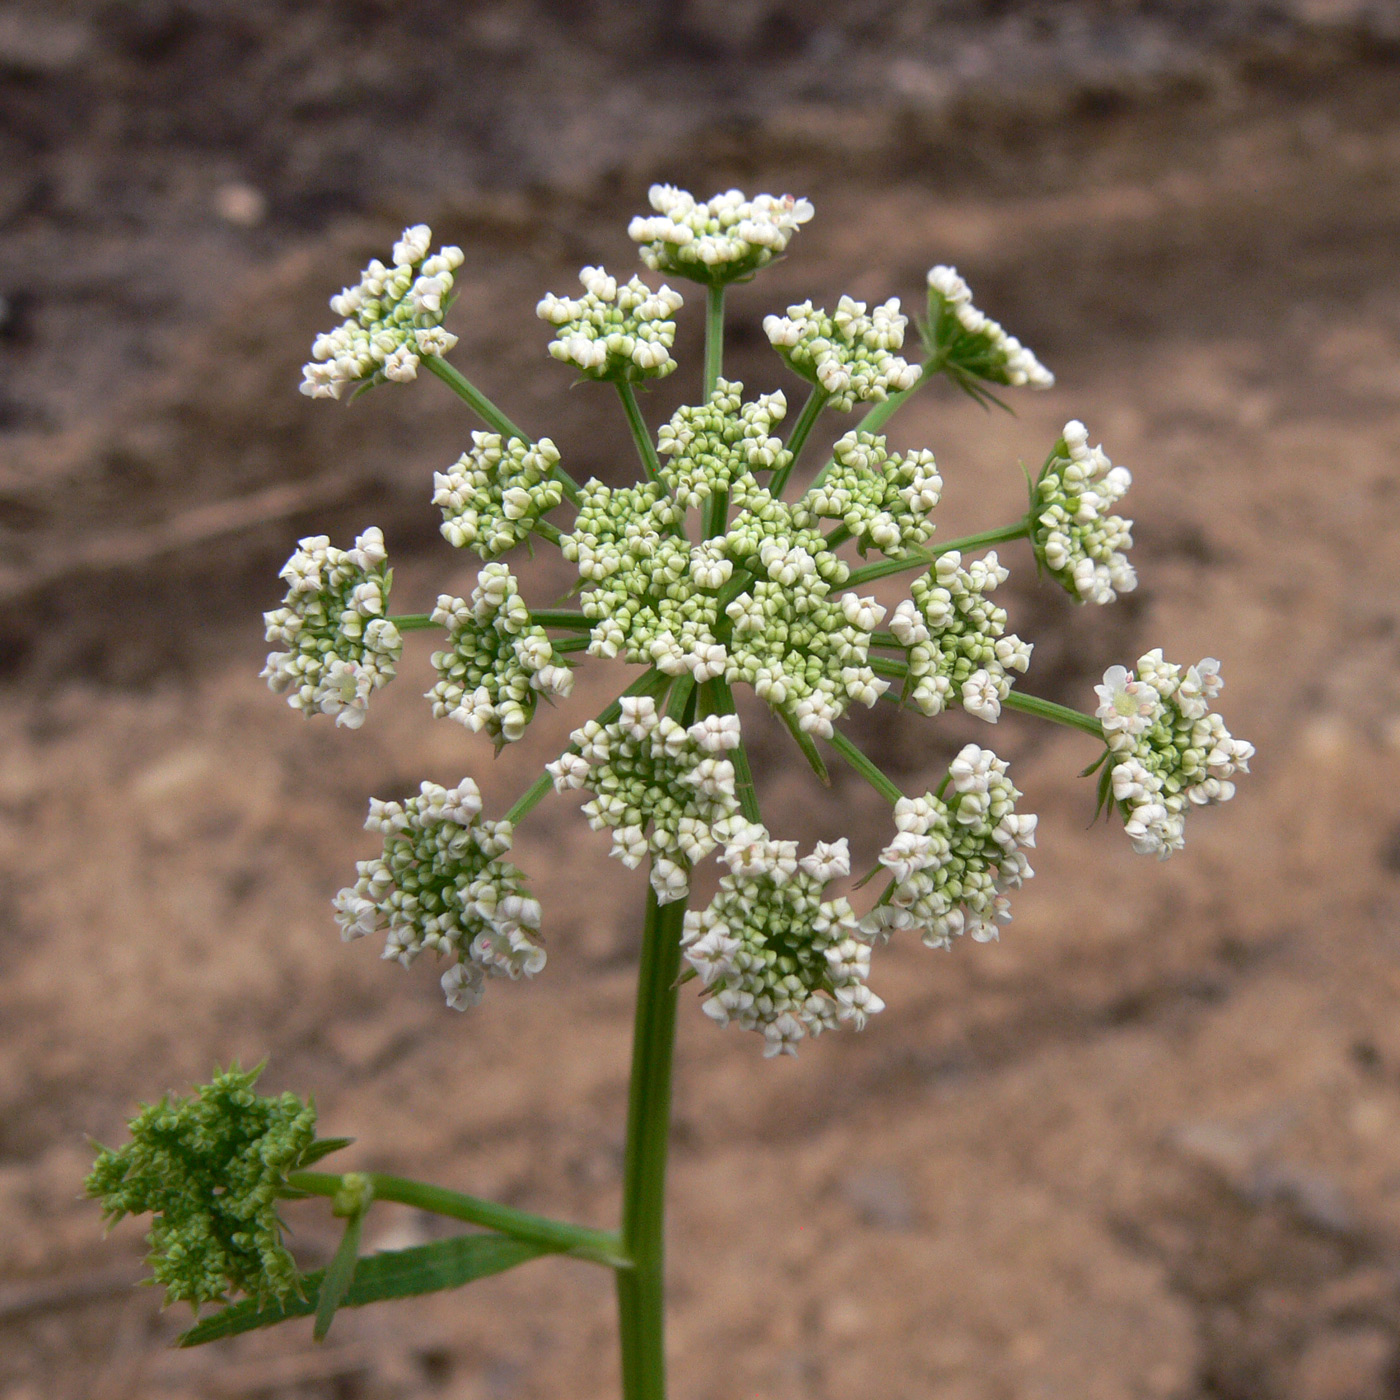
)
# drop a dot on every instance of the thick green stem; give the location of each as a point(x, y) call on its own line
point(867, 770)
point(801, 430)
point(489, 413)
point(646, 449)
point(641, 1290)
point(714, 338)
point(560, 617)
point(1060, 714)
point(601, 1246)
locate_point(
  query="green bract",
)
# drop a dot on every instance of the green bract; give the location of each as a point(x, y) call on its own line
point(211, 1170)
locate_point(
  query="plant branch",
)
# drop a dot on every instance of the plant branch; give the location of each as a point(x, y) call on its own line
point(801, 430)
point(722, 698)
point(867, 770)
point(1060, 714)
point(714, 338)
point(646, 449)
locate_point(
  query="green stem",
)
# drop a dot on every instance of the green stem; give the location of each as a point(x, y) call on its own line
point(1060, 714)
point(564, 645)
point(867, 770)
point(560, 617)
point(1017, 531)
point(489, 413)
point(801, 430)
point(414, 622)
point(641, 1290)
point(714, 338)
point(723, 704)
point(922, 559)
point(601, 1246)
point(646, 449)
point(551, 533)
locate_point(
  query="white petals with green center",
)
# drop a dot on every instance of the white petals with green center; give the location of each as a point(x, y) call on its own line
point(341, 647)
point(621, 331)
point(849, 354)
point(773, 956)
point(441, 884)
point(499, 662)
point(718, 241)
point(661, 788)
point(883, 499)
point(494, 495)
point(711, 446)
point(1167, 750)
point(1074, 536)
point(960, 652)
point(970, 343)
point(953, 860)
point(393, 317)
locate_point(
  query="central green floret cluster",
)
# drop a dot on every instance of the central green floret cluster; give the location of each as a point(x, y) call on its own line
point(849, 355)
point(711, 447)
point(613, 331)
point(494, 496)
point(212, 1170)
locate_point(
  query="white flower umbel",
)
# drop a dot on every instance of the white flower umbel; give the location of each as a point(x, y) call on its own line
point(393, 317)
point(494, 495)
point(1074, 536)
point(882, 498)
point(662, 788)
point(499, 662)
point(341, 647)
point(441, 884)
point(960, 652)
point(619, 331)
point(954, 859)
point(849, 354)
point(1167, 751)
point(724, 239)
point(712, 446)
point(969, 343)
point(773, 956)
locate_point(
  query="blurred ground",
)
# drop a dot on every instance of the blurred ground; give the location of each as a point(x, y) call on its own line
point(1149, 1145)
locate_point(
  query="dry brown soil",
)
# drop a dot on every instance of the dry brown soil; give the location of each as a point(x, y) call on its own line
point(1148, 1145)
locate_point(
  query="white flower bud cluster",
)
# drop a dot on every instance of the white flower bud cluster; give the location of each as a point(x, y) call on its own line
point(802, 650)
point(1167, 750)
point(711, 446)
point(850, 354)
point(772, 955)
point(620, 331)
point(493, 496)
point(441, 884)
point(953, 860)
point(341, 646)
point(393, 316)
point(882, 499)
point(499, 662)
point(960, 652)
point(1073, 535)
point(971, 342)
point(663, 789)
point(726, 238)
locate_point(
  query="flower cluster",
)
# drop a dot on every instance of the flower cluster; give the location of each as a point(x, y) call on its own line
point(494, 495)
point(1167, 750)
point(712, 446)
point(953, 860)
point(646, 770)
point(211, 1170)
point(1073, 535)
point(959, 649)
point(613, 331)
point(724, 239)
point(772, 954)
point(970, 343)
point(851, 354)
point(341, 646)
point(441, 884)
point(393, 316)
point(499, 662)
point(882, 499)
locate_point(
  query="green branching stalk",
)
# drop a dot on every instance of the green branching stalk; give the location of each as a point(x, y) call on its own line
point(867, 770)
point(801, 431)
point(714, 339)
point(561, 618)
point(599, 1246)
point(722, 703)
point(924, 558)
point(414, 622)
point(646, 449)
point(1060, 714)
point(489, 413)
point(641, 1290)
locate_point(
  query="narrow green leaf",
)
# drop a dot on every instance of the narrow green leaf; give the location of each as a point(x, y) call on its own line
point(337, 1278)
point(322, 1147)
point(401, 1273)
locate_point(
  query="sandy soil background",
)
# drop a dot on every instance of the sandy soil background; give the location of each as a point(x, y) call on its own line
point(1149, 1144)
